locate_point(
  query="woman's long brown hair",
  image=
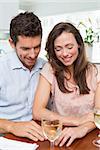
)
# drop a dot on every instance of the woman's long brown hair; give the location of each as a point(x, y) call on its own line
point(80, 65)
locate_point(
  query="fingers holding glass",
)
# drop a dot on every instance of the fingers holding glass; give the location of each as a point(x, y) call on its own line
point(96, 142)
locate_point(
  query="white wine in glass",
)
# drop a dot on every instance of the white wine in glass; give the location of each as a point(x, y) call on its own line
point(51, 130)
point(96, 142)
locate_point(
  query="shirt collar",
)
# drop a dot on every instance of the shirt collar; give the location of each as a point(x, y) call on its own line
point(39, 64)
point(16, 63)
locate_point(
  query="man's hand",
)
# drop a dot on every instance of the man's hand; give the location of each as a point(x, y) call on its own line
point(29, 129)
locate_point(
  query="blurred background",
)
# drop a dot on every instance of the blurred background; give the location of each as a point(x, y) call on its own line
point(85, 15)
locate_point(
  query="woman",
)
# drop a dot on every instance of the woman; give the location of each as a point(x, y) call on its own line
point(71, 81)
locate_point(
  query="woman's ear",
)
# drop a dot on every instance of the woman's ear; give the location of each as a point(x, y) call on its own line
point(11, 43)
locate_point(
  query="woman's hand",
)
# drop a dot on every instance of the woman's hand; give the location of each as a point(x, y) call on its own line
point(69, 134)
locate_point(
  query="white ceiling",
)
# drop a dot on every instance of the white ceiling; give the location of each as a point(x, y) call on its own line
point(52, 7)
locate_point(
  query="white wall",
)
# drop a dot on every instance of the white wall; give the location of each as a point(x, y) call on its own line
point(54, 7)
point(8, 9)
point(49, 22)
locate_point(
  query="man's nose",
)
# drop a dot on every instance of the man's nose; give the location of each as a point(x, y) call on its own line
point(32, 53)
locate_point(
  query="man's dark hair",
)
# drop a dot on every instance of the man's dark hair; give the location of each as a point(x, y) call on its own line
point(25, 24)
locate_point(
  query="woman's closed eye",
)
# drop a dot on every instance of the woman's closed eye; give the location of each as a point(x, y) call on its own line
point(69, 46)
point(58, 49)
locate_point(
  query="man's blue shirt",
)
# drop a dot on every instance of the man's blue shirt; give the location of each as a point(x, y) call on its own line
point(17, 87)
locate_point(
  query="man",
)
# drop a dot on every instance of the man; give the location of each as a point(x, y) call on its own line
point(19, 73)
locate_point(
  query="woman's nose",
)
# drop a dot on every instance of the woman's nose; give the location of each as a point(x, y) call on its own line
point(65, 52)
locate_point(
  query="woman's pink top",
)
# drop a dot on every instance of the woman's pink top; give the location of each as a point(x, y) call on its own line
point(73, 103)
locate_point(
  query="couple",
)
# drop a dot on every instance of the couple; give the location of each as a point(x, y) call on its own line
point(67, 77)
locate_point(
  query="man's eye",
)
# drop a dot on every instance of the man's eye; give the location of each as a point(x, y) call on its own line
point(37, 47)
point(25, 49)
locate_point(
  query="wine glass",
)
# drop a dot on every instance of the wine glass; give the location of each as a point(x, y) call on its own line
point(96, 142)
point(51, 130)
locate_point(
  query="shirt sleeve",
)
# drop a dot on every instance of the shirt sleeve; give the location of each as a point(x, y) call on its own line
point(93, 77)
point(98, 74)
point(47, 72)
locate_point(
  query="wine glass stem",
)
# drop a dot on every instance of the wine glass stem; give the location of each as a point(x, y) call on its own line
point(51, 145)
